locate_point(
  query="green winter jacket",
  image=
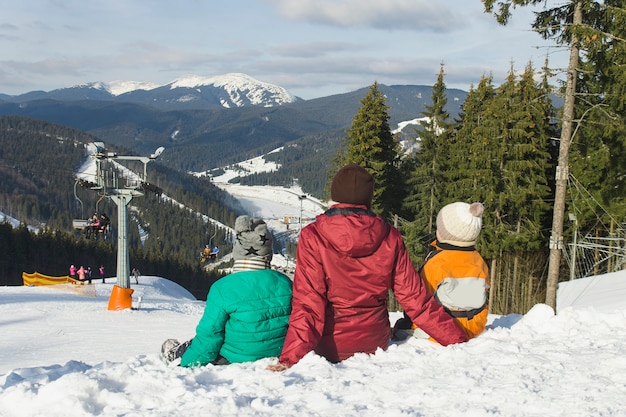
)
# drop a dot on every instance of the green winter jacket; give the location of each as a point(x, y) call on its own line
point(245, 319)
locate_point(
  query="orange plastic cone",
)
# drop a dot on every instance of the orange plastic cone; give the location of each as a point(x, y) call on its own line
point(121, 298)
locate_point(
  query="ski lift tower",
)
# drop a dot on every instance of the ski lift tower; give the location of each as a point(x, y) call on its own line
point(121, 295)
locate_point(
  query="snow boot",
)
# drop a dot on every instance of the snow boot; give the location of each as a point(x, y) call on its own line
point(172, 350)
point(168, 350)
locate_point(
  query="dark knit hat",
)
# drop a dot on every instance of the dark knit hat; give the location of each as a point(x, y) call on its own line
point(253, 239)
point(352, 184)
point(460, 223)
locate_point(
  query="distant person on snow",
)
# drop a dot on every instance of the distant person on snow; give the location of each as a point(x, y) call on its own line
point(346, 262)
point(454, 271)
point(81, 274)
point(136, 275)
point(246, 312)
point(102, 272)
point(73, 271)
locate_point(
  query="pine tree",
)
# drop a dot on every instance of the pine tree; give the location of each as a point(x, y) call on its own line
point(524, 182)
point(474, 150)
point(499, 157)
point(529, 161)
point(598, 154)
point(426, 182)
point(370, 143)
point(520, 112)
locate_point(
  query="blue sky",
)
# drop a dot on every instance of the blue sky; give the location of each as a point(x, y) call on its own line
point(313, 48)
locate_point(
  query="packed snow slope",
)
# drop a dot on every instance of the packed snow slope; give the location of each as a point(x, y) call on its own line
point(65, 354)
point(62, 353)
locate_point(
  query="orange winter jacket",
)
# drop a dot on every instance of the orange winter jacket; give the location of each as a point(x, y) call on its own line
point(458, 277)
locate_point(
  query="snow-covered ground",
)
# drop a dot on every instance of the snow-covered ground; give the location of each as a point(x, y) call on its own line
point(15, 222)
point(280, 207)
point(65, 354)
point(9, 219)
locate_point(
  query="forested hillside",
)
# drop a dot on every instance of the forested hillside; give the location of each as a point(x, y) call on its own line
point(38, 162)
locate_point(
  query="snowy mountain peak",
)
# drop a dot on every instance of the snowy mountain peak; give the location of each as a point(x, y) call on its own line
point(191, 91)
point(192, 81)
point(235, 84)
point(119, 87)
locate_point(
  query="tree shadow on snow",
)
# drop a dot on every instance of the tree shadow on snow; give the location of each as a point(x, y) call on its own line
point(506, 322)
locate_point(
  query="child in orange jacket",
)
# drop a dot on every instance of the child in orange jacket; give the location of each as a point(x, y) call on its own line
point(454, 272)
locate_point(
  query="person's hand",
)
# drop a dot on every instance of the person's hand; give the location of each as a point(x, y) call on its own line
point(277, 367)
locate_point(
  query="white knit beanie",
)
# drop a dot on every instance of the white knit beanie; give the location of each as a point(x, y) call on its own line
point(459, 223)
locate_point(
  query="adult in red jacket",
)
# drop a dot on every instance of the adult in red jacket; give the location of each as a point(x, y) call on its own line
point(346, 262)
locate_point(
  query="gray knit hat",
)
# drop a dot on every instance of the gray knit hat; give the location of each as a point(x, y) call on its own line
point(460, 223)
point(253, 239)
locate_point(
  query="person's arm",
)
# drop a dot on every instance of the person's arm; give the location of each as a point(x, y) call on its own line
point(308, 304)
point(420, 306)
point(209, 338)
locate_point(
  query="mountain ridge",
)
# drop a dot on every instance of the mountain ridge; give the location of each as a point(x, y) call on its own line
point(190, 119)
point(190, 91)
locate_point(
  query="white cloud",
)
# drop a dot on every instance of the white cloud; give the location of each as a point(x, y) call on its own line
point(419, 15)
point(319, 47)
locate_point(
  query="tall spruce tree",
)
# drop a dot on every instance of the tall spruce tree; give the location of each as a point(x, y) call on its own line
point(525, 185)
point(531, 160)
point(499, 157)
point(370, 143)
point(475, 157)
point(525, 158)
point(598, 159)
point(475, 174)
point(426, 182)
point(563, 24)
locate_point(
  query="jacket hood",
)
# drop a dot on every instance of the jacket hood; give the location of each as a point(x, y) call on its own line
point(352, 230)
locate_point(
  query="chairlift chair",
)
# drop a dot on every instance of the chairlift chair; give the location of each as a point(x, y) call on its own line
point(209, 251)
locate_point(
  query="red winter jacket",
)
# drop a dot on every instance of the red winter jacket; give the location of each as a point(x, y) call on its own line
point(345, 264)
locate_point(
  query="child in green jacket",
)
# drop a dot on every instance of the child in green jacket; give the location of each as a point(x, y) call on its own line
point(247, 311)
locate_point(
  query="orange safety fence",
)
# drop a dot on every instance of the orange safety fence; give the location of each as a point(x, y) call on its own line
point(36, 279)
point(64, 283)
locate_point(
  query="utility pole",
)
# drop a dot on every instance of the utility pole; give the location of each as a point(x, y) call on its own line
point(562, 169)
point(301, 198)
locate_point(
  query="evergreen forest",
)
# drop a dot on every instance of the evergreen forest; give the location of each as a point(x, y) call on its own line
point(505, 150)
